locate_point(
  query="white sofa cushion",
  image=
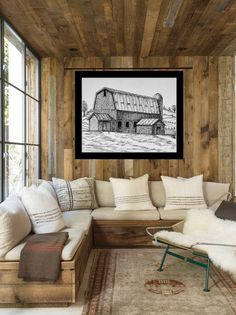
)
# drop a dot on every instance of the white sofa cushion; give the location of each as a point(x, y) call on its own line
point(172, 214)
point(76, 194)
point(78, 219)
point(15, 224)
point(104, 193)
point(74, 240)
point(43, 209)
point(184, 193)
point(108, 213)
point(132, 194)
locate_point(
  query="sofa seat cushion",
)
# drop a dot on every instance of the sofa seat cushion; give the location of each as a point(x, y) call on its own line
point(78, 219)
point(108, 213)
point(172, 214)
point(75, 238)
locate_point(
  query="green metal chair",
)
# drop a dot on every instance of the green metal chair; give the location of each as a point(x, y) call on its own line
point(192, 253)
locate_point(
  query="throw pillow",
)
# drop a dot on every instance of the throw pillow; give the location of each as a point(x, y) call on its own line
point(14, 224)
point(43, 209)
point(184, 193)
point(76, 194)
point(132, 194)
point(226, 210)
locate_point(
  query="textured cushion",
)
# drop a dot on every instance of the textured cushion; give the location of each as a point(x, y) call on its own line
point(172, 214)
point(226, 211)
point(184, 193)
point(43, 209)
point(75, 238)
point(14, 224)
point(78, 219)
point(104, 193)
point(108, 213)
point(76, 194)
point(132, 194)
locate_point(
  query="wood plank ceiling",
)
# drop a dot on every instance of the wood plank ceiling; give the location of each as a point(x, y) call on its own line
point(125, 27)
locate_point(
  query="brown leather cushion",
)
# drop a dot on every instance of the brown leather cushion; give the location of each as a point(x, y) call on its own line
point(226, 210)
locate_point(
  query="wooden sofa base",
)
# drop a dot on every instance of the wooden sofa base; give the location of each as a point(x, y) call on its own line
point(18, 293)
point(110, 233)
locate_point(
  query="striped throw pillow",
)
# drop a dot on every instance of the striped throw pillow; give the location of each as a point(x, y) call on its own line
point(183, 193)
point(132, 194)
point(76, 194)
point(43, 210)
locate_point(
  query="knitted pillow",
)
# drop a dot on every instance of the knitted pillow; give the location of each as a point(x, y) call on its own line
point(76, 194)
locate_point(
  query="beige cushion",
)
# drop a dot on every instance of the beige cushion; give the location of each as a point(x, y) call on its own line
point(43, 209)
point(132, 194)
point(104, 193)
point(213, 191)
point(108, 213)
point(157, 193)
point(184, 193)
point(172, 214)
point(15, 224)
point(78, 219)
point(75, 238)
point(76, 194)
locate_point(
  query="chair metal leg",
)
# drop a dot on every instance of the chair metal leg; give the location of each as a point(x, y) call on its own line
point(206, 288)
point(163, 259)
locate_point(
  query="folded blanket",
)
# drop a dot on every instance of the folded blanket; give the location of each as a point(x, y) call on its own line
point(40, 258)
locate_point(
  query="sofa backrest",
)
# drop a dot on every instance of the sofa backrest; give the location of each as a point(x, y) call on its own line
point(105, 197)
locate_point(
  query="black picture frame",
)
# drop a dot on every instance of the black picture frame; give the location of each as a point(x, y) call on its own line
point(127, 73)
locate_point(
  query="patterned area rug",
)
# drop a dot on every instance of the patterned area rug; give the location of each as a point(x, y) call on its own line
point(126, 282)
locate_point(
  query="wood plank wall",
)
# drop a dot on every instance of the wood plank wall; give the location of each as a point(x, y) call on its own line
point(208, 120)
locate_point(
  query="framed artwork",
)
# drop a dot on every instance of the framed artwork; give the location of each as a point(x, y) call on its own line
point(127, 114)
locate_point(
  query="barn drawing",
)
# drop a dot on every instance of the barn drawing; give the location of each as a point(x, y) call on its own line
point(121, 111)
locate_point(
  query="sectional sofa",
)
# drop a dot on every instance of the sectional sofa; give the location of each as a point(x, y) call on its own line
point(101, 227)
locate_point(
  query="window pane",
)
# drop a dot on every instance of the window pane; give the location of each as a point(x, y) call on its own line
point(32, 121)
point(1, 177)
point(13, 63)
point(14, 169)
point(32, 164)
point(13, 114)
point(32, 71)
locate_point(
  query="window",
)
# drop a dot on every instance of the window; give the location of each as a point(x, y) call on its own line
point(104, 93)
point(119, 124)
point(127, 124)
point(20, 110)
point(135, 124)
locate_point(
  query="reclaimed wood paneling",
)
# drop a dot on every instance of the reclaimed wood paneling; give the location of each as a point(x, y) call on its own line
point(208, 120)
point(124, 27)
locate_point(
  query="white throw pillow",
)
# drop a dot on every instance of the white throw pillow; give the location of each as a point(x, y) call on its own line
point(14, 224)
point(132, 194)
point(182, 193)
point(44, 211)
point(76, 194)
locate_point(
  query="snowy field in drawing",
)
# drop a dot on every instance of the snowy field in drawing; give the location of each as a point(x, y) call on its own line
point(94, 141)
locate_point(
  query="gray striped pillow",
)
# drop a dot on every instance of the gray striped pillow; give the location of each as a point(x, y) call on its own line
point(76, 194)
point(182, 193)
point(132, 194)
point(43, 210)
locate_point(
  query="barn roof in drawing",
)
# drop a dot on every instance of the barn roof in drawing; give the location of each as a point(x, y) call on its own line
point(131, 102)
point(101, 116)
point(148, 122)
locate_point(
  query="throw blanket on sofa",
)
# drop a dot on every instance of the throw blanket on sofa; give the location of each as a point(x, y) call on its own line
point(41, 257)
point(204, 226)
